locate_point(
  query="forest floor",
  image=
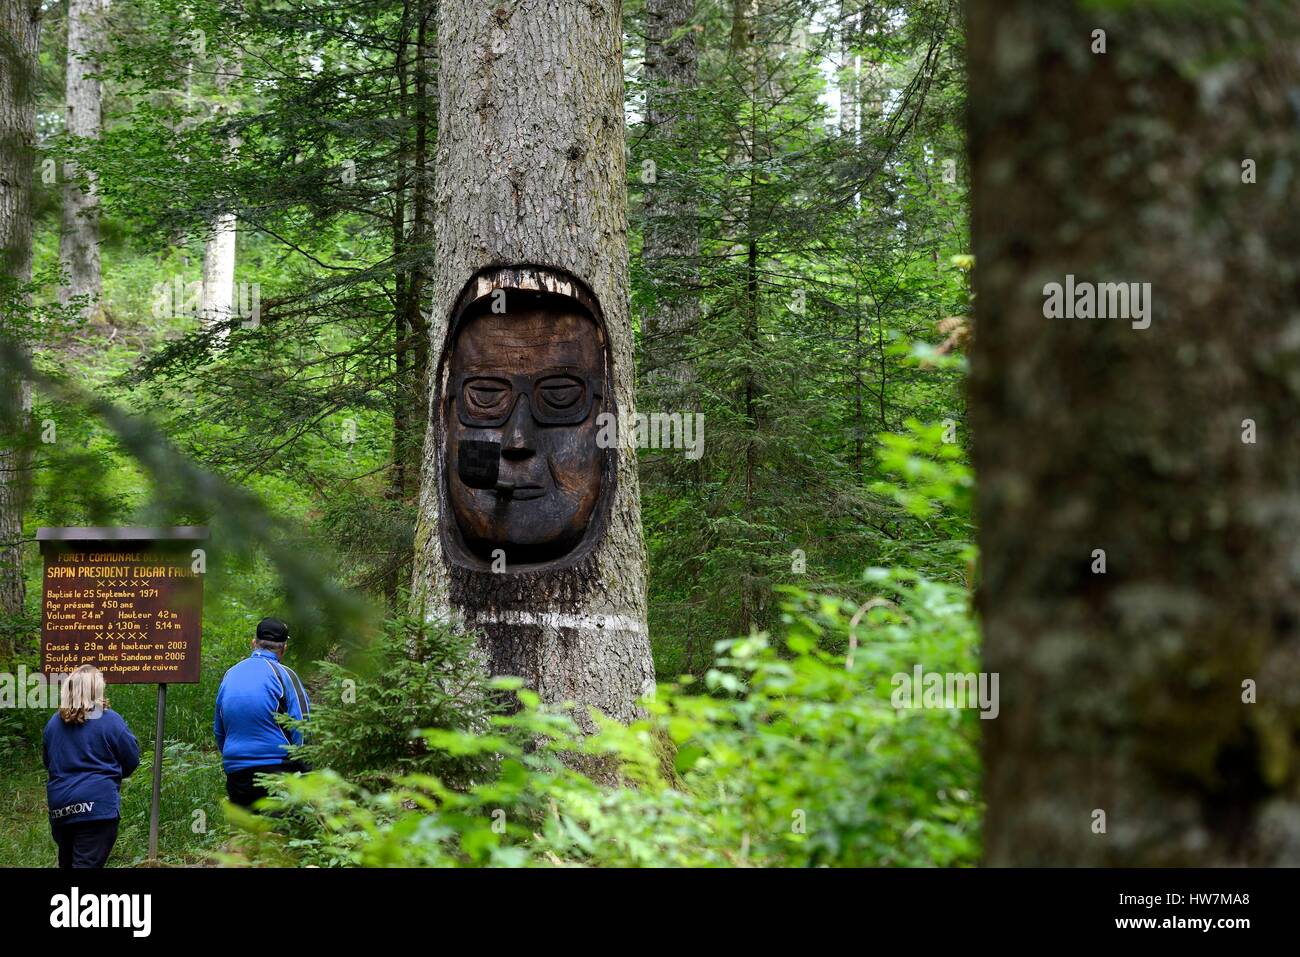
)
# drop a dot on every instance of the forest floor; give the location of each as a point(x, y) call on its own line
point(192, 824)
point(25, 840)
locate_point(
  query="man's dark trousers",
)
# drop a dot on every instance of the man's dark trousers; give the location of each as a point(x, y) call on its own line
point(240, 787)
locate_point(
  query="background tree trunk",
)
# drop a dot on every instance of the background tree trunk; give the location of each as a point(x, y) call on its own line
point(848, 76)
point(219, 250)
point(79, 239)
point(219, 271)
point(530, 169)
point(413, 252)
point(19, 34)
point(1122, 692)
point(670, 245)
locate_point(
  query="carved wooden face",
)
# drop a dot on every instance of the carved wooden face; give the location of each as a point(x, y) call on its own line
point(523, 392)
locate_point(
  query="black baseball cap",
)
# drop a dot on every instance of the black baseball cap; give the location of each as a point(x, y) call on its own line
point(272, 629)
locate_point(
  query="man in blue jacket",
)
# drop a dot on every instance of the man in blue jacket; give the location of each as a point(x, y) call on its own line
point(252, 693)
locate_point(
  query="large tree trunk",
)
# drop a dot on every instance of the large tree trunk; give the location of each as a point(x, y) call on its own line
point(530, 170)
point(1131, 691)
point(79, 239)
point(19, 33)
point(670, 245)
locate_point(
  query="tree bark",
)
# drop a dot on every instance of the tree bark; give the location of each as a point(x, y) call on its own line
point(19, 35)
point(530, 170)
point(1127, 692)
point(79, 239)
point(747, 52)
point(670, 245)
point(417, 83)
point(219, 272)
point(218, 299)
point(848, 76)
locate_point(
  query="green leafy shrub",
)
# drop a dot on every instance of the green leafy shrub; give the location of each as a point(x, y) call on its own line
point(795, 756)
point(363, 719)
point(190, 820)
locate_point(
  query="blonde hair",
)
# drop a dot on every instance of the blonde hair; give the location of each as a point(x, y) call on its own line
point(82, 695)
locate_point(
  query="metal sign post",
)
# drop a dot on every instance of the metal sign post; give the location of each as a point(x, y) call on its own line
point(157, 772)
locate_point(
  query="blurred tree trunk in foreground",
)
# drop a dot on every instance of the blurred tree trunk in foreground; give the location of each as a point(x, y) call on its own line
point(1174, 449)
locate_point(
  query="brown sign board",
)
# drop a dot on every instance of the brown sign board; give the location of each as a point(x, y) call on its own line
point(127, 600)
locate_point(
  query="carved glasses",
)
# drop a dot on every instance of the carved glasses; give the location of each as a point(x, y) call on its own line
point(557, 396)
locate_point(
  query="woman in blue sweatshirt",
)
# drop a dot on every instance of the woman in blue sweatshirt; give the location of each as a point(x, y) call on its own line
point(88, 751)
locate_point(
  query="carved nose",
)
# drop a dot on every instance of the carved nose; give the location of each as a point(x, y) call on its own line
point(517, 442)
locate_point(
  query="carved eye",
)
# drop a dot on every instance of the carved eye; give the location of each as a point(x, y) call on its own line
point(485, 395)
point(560, 392)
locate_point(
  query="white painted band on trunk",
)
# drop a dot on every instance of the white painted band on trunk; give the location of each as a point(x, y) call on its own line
point(546, 619)
point(559, 619)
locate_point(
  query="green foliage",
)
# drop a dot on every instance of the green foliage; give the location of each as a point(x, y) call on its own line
point(925, 473)
point(827, 255)
point(191, 825)
point(795, 757)
point(425, 676)
point(824, 269)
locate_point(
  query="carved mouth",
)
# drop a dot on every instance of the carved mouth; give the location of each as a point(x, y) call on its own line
point(523, 493)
